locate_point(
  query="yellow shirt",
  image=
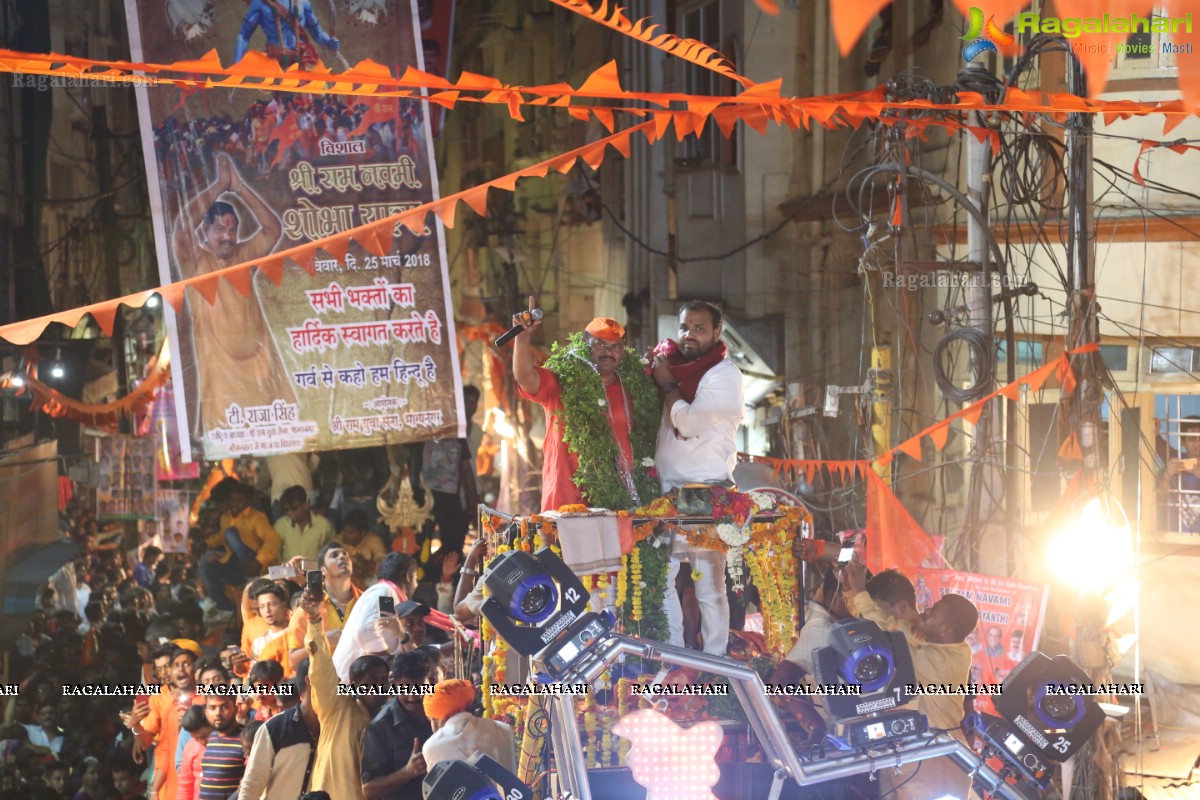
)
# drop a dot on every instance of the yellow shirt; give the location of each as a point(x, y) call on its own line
point(306, 541)
point(256, 533)
point(332, 620)
point(343, 720)
point(932, 663)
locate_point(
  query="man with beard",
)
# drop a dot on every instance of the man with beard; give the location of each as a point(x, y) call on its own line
point(224, 760)
point(235, 354)
point(702, 409)
point(392, 764)
point(158, 720)
point(341, 718)
point(604, 339)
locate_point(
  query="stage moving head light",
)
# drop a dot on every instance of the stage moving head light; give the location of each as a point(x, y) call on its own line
point(861, 654)
point(535, 599)
point(1043, 700)
point(523, 586)
point(476, 778)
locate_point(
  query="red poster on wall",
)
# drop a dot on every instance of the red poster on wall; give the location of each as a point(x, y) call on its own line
point(1011, 613)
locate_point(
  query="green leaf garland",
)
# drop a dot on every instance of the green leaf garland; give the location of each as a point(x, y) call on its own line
point(584, 420)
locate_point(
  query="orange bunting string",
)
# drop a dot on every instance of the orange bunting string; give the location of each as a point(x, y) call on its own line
point(971, 414)
point(1177, 147)
point(48, 400)
point(337, 245)
point(644, 31)
point(371, 83)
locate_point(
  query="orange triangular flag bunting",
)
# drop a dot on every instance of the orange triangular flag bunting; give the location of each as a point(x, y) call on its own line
point(206, 285)
point(1070, 449)
point(911, 448)
point(105, 315)
point(240, 279)
point(604, 81)
point(477, 199)
point(1037, 379)
point(973, 412)
point(938, 434)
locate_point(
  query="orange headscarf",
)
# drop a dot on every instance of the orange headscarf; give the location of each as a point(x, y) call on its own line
point(449, 698)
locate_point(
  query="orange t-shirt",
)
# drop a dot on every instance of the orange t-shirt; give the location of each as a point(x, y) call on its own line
point(252, 628)
point(163, 722)
point(277, 650)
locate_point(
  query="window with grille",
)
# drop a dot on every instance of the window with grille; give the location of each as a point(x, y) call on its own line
point(702, 22)
point(1177, 462)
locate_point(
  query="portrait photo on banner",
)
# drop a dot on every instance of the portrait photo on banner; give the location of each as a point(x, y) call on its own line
point(360, 352)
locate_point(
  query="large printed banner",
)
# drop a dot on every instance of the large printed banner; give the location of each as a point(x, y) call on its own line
point(127, 486)
point(362, 352)
point(1011, 613)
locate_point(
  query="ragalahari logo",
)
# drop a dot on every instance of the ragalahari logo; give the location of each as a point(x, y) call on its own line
point(982, 37)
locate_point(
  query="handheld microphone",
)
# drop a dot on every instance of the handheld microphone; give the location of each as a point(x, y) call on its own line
point(532, 314)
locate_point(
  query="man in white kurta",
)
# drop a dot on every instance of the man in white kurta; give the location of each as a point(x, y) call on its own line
point(702, 409)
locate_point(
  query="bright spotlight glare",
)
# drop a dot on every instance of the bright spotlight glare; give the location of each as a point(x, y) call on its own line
point(1093, 552)
point(1121, 601)
point(57, 371)
point(17, 381)
point(152, 301)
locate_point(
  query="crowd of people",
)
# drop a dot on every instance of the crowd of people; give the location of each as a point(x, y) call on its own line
point(187, 147)
point(109, 665)
point(244, 654)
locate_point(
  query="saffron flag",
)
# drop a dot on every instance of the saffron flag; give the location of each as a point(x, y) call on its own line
point(894, 538)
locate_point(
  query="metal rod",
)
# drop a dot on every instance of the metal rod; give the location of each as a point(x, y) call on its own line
point(568, 749)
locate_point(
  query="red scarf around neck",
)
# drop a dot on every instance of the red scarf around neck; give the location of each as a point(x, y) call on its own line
point(689, 373)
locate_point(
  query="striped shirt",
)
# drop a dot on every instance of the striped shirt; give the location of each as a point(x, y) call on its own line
point(222, 766)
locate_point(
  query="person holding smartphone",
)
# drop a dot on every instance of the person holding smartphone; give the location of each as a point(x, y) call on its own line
point(158, 721)
point(364, 633)
point(336, 589)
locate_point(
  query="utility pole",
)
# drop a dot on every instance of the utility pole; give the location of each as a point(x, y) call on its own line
point(1084, 407)
point(989, 478)
point(111, 244)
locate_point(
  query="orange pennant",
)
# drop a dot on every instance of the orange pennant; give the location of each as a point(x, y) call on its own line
point(241, 280)
point(604, 82)
point(106, 317)
point(973, 412)
point(1037, 379)
point(911, 448)
point(336, 246)
point(851, 18)
point(938, 434)
point(206, 285)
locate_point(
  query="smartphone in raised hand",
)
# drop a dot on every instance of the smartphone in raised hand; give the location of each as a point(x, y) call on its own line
point(315, 582)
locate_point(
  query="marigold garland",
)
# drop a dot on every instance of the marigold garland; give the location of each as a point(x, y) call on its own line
point(585, 424)
point(589, 738)
point(606, 740)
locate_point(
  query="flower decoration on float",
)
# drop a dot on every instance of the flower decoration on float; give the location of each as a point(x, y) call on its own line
point(602, 473)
